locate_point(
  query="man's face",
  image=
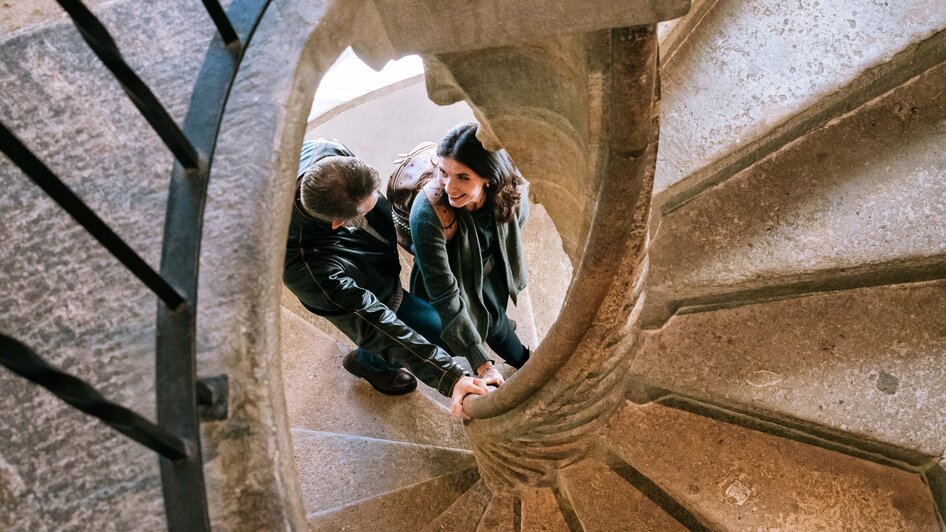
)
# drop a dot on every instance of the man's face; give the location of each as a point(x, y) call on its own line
point(363, 209)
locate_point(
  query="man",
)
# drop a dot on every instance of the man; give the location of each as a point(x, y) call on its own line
point(342, 264)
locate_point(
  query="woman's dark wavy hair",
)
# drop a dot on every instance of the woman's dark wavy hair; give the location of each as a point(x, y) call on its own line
point(504, 178)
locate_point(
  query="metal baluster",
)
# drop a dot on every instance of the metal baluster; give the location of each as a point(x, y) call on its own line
point(72, 204)
point(21, 360)
point(105, 48)
point(223, 23)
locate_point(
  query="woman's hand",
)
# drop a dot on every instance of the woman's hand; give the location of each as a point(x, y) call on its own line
point(464, 387)
point(492, 376)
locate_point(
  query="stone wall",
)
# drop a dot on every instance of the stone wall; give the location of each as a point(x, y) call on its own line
point(63, 294)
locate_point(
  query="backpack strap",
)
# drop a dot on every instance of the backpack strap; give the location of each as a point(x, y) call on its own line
point(433, 189)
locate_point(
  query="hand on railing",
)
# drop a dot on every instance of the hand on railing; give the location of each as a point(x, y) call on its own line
point(493, 376)
point(464, 387)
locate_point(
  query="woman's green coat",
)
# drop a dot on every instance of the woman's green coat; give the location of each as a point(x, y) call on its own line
point(441, 264)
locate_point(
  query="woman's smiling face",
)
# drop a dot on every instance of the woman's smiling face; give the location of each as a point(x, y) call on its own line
point(463, 186)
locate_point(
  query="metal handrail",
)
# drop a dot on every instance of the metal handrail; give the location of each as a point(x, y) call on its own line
point(175, 373)
point(21, 360)
point(176, 436)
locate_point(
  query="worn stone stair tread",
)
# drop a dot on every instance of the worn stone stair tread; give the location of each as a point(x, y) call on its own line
point(865, 363)
point(290, 303)
point(403, 510)
point(736, 478)
point(856, 203)
point(550, 273)
point(603, 500)
point(465, 513)
point(500, 515)
point(322, 396)
point(335, 469)
point(713, 108)
point(524, 315)
point(540, 511)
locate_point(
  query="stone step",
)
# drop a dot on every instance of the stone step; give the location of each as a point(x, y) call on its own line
point(500, 515)
point(603, 500)
point(290, 303)
point(550, 271)
point(863, 364)
point(407, 509)
point(540, 511)
point(337, 469)
point(465, 513)
point(753, 76)
point(739, 479)
point(322, 396)
point(858, 203)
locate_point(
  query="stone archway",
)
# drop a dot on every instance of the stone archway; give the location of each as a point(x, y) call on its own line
point(258, 145)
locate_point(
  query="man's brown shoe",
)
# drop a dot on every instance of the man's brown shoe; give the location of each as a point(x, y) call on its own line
point(396, 382)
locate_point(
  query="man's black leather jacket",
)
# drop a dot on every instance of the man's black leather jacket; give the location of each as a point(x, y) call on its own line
point(353, 276)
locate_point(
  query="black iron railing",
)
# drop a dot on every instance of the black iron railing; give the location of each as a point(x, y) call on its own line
point(175, 436)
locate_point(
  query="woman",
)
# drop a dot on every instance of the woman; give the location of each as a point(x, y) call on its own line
point(470, 277)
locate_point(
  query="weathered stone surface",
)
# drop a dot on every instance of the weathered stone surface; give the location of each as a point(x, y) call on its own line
point(500, 515)
point(21, 17)
point(99, 323)
point(465, 513)
point(605, 501)
point(736, 478)
point(540, 512)
point(550, 272)
point(751, 66)
point(337, 469)
point(63, 295)
point(254, 484)
point(859, 202)
point(866, 362)
point(673, 33)
point(322, 396)
point(490, 23)
point(407, 509)
point(66, 117)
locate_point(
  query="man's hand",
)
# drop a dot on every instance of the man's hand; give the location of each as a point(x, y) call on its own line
point(463, 387)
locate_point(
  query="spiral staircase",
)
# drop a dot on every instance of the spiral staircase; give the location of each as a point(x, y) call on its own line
point(752, 338)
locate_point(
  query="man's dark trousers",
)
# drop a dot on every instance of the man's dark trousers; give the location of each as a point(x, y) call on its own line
point(414, 312)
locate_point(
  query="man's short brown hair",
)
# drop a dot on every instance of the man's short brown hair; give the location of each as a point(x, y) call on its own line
point(337, 186)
